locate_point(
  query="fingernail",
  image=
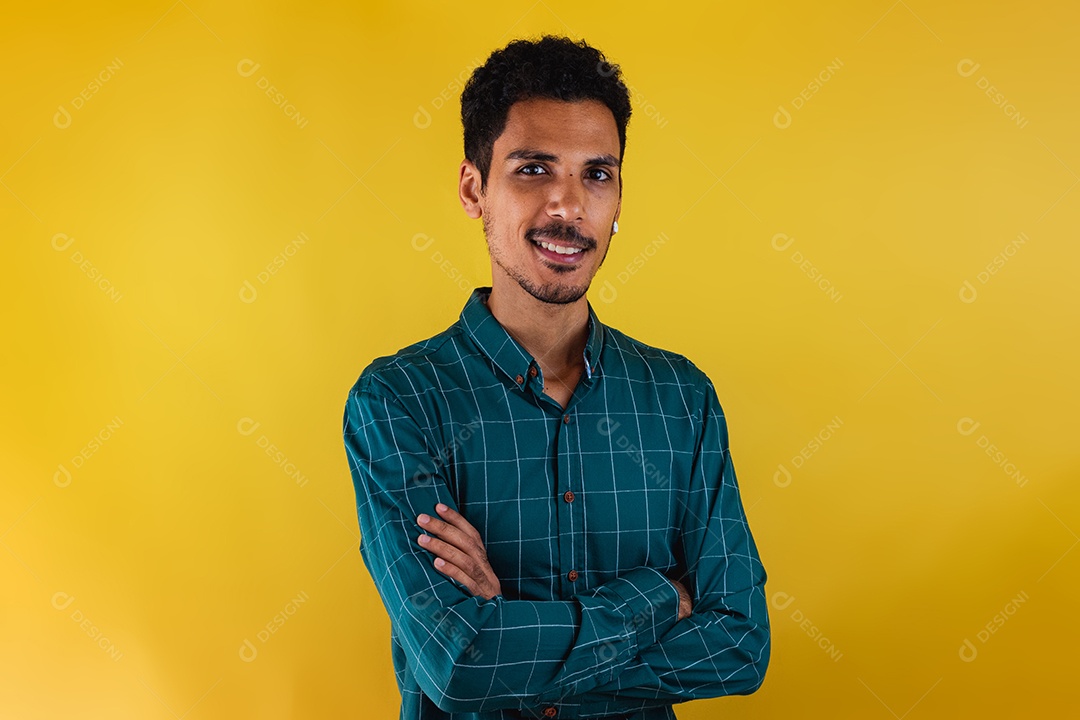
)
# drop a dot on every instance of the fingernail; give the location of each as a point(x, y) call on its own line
point(441, 508)
point(422, 519)
point(439, 562)
point(425, 539)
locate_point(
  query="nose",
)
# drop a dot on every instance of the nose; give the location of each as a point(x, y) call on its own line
point(567, 199)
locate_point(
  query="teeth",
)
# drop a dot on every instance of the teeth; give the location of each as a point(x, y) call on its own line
point(559, 248)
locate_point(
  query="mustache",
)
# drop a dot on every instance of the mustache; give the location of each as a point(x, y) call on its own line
point(558, 231)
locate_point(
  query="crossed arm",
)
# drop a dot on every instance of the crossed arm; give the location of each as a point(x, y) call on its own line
point(460, 554)
point(632, 643)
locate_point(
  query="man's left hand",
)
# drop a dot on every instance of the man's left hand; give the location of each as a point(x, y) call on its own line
point(459, 551)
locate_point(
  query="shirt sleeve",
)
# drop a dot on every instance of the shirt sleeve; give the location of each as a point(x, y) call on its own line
point(470, 654)
point(723, 647)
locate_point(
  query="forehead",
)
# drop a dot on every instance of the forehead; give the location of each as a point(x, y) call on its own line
point(582, 126)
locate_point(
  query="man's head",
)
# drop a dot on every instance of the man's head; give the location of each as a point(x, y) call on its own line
point(545, 132)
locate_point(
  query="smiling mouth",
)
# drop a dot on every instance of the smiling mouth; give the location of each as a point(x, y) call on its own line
point(558, 248)
point(556, 252)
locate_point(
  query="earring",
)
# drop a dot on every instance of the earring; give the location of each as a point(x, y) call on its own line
point(614, 227)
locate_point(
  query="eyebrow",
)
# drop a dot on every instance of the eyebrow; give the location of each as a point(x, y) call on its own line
point(530, 154)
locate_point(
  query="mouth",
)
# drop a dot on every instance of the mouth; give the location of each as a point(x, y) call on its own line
point(559, 252)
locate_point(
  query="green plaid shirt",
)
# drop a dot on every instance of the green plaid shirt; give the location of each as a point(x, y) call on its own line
point(584, 513)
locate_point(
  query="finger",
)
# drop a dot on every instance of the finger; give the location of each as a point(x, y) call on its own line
point(458, 520)
point(455, 573)
point(486, 590)
point(451, 533)
point(444, 550)
point(473, 565)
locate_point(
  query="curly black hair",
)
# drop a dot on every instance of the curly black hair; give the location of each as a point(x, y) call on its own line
point(552, 67)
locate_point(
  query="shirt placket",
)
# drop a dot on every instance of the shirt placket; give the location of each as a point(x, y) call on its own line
point(568, 487)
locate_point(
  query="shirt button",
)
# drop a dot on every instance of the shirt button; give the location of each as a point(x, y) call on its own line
point(568, 496)
point(532, 372)
point(572, 575)
point(550, 712)
point(519, 379)
point(566, 419)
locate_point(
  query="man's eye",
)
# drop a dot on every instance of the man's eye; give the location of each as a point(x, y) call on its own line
point(529, 170)
point(600, 174)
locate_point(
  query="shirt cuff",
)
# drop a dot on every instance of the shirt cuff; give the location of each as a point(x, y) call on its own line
point(648, 601)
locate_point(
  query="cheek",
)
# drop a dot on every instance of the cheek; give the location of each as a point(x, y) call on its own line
point(512, 219)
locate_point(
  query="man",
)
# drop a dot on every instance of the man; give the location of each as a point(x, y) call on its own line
point(548, 507)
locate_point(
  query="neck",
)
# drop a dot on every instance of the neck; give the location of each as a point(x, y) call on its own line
point(554, 334)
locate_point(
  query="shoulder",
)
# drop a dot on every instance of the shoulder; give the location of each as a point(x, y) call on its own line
point(411, 368)
point(638, 360)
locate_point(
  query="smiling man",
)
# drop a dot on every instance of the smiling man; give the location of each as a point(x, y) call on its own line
point(548, 507)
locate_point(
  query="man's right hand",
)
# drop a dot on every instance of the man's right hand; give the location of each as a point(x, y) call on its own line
point(685, 607)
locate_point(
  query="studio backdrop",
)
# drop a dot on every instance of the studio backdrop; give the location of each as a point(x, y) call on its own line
point(858, 218)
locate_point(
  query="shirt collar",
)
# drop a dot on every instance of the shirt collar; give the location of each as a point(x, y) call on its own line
point(507, 354)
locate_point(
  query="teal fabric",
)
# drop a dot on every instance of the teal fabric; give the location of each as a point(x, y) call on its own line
point(586, 625)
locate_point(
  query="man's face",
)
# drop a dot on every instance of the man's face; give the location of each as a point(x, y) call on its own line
point(553, 191)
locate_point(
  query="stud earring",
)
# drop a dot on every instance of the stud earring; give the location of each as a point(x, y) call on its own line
point(614, 227)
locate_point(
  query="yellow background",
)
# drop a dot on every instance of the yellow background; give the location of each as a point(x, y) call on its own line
point(177, 536)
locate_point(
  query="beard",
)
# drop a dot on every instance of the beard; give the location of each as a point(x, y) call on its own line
point(555, 292)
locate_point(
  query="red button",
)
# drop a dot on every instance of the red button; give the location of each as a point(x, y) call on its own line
point(568, 496)
point(550, 712)
point(572, 575)
point(566, 419)
point(519, 379)
point(532, 372)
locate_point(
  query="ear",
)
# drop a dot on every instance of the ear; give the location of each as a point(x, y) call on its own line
point(469, 189)
point(618, 209)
